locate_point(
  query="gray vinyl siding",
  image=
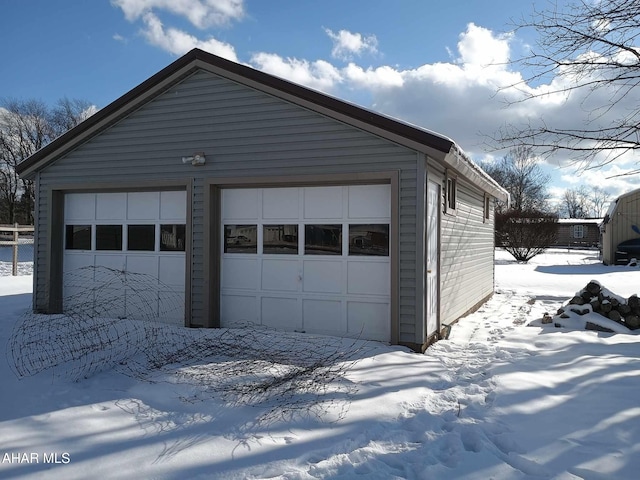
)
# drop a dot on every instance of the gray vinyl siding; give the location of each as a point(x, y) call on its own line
point(244, 132)
point(467, 255)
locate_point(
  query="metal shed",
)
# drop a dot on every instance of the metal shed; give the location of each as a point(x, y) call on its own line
point(621, 223)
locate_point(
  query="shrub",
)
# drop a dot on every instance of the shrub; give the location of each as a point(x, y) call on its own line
point(525, 234)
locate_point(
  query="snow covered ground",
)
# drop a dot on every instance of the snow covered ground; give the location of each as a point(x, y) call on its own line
point(500, 399)
point(25, 256)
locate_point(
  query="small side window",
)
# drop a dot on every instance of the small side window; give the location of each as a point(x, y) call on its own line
point(78, 237)
point(240, 239)
point(578, 231)
point(323, 239)
point(141, 238)
point(280, 239)
point(172, 238)
point(369, 239)
point(108, 237)
point(451, 193)
point(487, 208)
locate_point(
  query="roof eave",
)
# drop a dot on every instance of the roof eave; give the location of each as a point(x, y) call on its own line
point(459, 162)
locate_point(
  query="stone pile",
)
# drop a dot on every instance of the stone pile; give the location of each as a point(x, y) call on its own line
point(599, 300)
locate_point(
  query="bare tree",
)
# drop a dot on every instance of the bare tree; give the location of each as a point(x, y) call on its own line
point(600, 200)
point(575, 202)
point(584, 203)
point(591, 48)
point(67, 113)
point(25, 127)
point(520, 174)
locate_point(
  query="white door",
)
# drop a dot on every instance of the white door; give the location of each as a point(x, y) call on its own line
point(124, 254)
point(309, 259)
point(433, 212)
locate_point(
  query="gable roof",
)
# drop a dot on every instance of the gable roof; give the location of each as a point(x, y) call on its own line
point(617, 201)
point(435, 145)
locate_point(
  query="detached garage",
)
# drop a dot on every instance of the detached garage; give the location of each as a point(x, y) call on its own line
point(262, 202)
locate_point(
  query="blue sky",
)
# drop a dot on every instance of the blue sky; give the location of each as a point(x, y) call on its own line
point(425, 62)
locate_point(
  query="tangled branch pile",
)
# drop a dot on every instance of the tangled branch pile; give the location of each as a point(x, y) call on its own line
point(287, 374)
point(93, 333)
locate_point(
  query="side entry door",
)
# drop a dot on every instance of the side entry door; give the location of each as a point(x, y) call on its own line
point(432, 256)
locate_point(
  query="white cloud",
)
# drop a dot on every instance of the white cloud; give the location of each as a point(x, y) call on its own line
point(612, 179)
point(320, 75)
point(384, 76)
point(179, 42)
point(347, 44)
point(462, 99)
point(481, 48)
point(201, 13)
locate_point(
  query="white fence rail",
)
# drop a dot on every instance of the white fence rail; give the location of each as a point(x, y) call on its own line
point(10, 236)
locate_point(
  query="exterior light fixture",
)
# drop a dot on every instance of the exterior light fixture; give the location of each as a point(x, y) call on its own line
point(196, 159)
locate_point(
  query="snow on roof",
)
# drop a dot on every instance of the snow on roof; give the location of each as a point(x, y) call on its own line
point(595, 221)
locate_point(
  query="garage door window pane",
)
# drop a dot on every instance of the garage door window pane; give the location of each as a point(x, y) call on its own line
point(172, 238)
point(323, 239)
point(240, 239)
point(369, 239)
point(78, 237)
point(280, 239)
point(108, 237)
point(141, 237)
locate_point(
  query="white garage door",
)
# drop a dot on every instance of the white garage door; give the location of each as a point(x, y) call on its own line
point(137, 233)
point(309, 259)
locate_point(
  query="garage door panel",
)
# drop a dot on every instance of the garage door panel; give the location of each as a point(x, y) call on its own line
point(172, 270)
point(240, 273)
point(173, 206)
point(79, 207)
point(280, 203)
point(147, 265)
point(110, 301)
point(143, 205)
point(114, 262)
point(368, 320)
point(142, 304)
point(322, 276)
point(367, 278)
point(283, 313)
point(111, 206)
point(280, 275)
point(323, 316)
point(238, 310)
point(75, 261)
point(323, 203)
point(240, 204)
point(369, 201)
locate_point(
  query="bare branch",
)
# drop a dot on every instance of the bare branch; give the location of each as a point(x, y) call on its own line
point(591, 49)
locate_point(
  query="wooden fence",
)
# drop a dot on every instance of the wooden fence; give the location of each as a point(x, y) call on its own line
point(14, 232)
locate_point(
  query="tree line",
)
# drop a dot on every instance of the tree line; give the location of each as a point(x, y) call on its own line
point(25, 127)
point(586, 51)
point(520, 173)
point(527, 225)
